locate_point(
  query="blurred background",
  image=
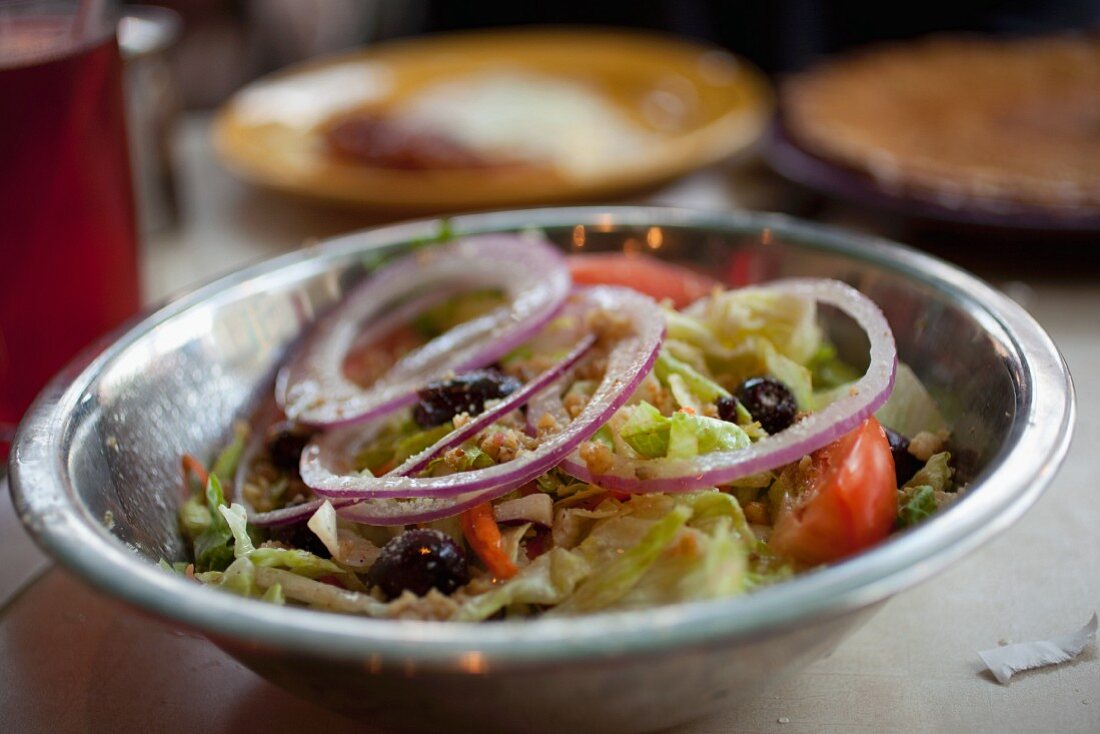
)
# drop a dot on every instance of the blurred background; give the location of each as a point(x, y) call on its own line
point(228, 42)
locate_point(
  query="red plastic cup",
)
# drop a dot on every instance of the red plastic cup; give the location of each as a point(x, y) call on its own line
point(68, 248)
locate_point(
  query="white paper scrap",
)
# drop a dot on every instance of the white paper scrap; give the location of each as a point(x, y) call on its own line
point(1004, 661)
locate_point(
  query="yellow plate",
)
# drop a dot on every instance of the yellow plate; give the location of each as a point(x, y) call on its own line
point(683, 104)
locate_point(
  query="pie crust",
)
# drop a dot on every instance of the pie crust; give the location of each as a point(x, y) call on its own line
point(962, 121)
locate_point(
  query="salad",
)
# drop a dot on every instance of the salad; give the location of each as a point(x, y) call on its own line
point(486, 429)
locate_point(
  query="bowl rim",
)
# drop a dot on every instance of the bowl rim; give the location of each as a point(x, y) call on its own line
point(46, 503)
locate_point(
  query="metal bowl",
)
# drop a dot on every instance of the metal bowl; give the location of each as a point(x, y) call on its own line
point(94, 472)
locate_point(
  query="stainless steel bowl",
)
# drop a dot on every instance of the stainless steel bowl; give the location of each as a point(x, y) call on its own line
point(95, 477)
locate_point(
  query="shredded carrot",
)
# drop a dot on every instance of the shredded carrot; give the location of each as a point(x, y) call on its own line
point(688, 409)
point(483, 534)
point(190, 465)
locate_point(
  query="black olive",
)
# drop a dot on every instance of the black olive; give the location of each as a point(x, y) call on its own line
point(905, 464)
point(769, 401)
point(442, 400)
point(727, 408)
point(285, 441)
point(420, 560)
point(299, 536)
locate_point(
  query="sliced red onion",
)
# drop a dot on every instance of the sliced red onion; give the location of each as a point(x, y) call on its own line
point(864, 397)
point(418, 463)
point(267, 415)
point(531, 273)
point(334, 446)
point(400, 500)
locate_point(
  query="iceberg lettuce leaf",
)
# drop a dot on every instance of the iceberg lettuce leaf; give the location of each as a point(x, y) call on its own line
point(299, 562)
point(789, 372)
point(786, 321)
point(213, 551)
point(703, 565)
point(704, 388)
point(548, 579)
point(691, 435)
point(608, 583)
point(910, 408)
point(936, 473)
point(646, 431)
point(917, 503)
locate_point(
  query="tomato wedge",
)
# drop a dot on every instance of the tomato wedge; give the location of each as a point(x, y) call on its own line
point(645, 274)
point(847, 503)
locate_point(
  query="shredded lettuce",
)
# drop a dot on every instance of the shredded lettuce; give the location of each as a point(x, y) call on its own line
point(317, 594)
point(646, 431)
point(274, 594)
point(828, 370)
point(689, 354)
point(472, 458)
point(683, 395)
point(692, 331)
point(789, 372)
point(236, 517)
point(225, 466)
point(702, 566)
point(610, 582)
point(213, 549)
point(684, 435)
point(299, 562)
point(691, 435)
point(910, 409)
point(709, 506)
point(918, 504)
point(398, 443)
point(194, 516)
point(936, 473)
point(178, 567)
point(548, 579)
point(700, 385)
point(199, 516)
point(787, 322)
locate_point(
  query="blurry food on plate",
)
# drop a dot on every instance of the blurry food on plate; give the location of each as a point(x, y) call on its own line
point(961, 121)
point(494, 118)
point(501, 118)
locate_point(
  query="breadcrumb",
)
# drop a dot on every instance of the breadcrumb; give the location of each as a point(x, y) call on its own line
point(757, 513)
point(501, 446)
point(547, 424)
point(574, 403)
point(597, 456)
point(609, 324)
point(925, 444)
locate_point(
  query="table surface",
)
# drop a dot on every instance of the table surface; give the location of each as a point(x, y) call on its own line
point(72, 660)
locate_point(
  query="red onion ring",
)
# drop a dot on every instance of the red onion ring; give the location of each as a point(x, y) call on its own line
point(418, 463)
point(807, 435)
point(532, 273)
point(267, 415)
point(400, 500)
point(342, 442)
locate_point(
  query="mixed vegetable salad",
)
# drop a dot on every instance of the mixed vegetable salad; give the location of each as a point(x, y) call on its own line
point(487, 429)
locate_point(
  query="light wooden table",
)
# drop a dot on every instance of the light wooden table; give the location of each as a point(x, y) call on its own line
point(74, 661)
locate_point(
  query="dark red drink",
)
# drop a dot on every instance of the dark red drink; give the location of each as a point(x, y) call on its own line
point(68, 266)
